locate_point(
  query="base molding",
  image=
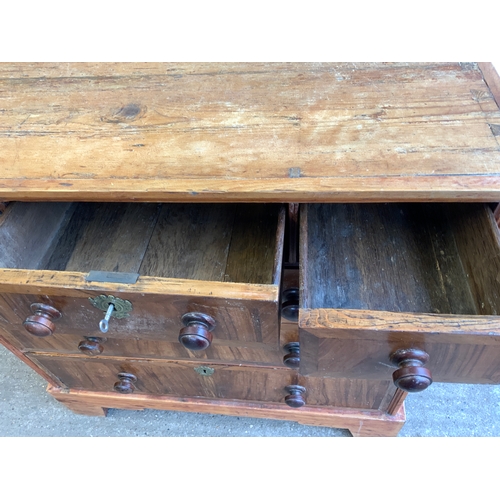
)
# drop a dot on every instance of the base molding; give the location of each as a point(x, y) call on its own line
point(364, 423)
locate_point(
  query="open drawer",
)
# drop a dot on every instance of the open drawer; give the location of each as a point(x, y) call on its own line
point(414, 286)
point(207, 276)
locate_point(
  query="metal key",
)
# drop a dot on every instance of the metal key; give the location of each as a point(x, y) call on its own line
point(104, 323)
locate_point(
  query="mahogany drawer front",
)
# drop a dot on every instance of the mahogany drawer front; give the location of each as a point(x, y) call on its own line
point(213, 381)
point(381, 278)
point(221, 263)
point(153, 317)
point(179, 378)
point(229, 351)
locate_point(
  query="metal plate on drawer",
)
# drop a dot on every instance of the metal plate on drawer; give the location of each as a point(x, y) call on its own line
point(111, 277)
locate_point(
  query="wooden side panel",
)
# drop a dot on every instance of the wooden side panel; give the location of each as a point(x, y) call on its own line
point(478, 240)
point(28, 232)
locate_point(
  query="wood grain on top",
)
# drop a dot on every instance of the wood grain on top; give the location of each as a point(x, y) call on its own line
point(292, 132)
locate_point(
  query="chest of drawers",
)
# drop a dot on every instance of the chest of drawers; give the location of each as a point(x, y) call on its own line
point(291, 241)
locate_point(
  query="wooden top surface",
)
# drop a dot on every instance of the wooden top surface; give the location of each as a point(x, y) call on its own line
point(248, 132)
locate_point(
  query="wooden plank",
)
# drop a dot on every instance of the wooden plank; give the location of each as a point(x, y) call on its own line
point(105, 237)
point(385, 326)
point(360, 423)
point(190, 242)
point(283, 132)
point(73, 284)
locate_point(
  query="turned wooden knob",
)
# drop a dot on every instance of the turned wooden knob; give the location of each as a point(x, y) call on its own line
point(125, 384)
point(411, 375)
point(196, 333)
point(290, 304)
point(41, 323)
point(292, 359)
point(295, 399)
point(91, 346)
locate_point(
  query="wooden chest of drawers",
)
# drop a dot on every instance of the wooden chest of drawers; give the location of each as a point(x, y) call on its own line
point(236, 253)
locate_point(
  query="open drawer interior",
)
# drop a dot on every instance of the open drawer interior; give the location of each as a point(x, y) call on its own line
point(421, 258)
point(212, 242)
point(376, 278)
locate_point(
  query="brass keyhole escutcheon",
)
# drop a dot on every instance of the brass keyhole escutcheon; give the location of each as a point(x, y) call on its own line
point(113, 306)
point(205, 371)
point(121, 307)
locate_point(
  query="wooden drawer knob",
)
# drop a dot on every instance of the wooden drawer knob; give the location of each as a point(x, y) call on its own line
point(125, 384)
point(290, 304)
point(411, 375)
point(196, 333)
point(292, 359)
point(295, 399)
point(41, 323)
point(91, 346)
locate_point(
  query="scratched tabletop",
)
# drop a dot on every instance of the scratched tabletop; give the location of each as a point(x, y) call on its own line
point(288, 132)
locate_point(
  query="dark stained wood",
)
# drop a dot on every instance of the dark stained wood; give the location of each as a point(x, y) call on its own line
point(411, 375)
point(478, 241)
point(248, 353)
point(497, 215)
point(91, 346)
point(344, 347)
point(159, 317)
point(384, 257)
point(359, 422)
point(254, 244)
point(178, 378)
point(105, 237)
point(227, 381)
point(41, 322)
point(28, 231)
point(190, 242)
point(396, 402)
point(284, 132)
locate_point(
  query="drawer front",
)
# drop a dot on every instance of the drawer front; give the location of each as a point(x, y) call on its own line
point(214, 381)
point(383, 278)
point(96, 346)
point(360, 344)
point(153, 320)
point(218, 264)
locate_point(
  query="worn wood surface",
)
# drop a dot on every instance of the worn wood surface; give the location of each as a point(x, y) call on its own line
point(290, 132)
point(156, 317)
point(28, 232)
point(429, 258)
point(478, 242)
point(359, 422)
point(214, 242)
point(237, 382)
point(358, 343)
point(492, 79)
